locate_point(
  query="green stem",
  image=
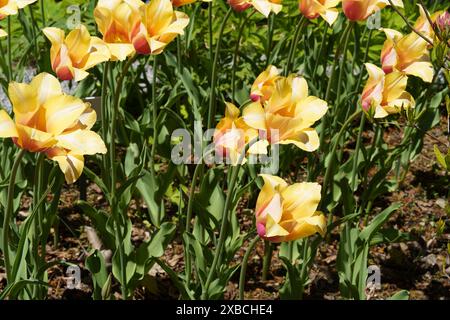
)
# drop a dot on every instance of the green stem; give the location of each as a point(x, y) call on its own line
point(225, 217)
point(10, 72)
point(354, 179)
point(250, 248)
point(188, 222)
point(330, 166)
point(269, 36)
point(300, 25)
point(322, 45)
point(9, 214)
point(44, 23)
point(105, 118)
point(236, 56)
point(112, 158)
point(210, 30)
point(154, 115)
point(212, 95)
point(268, 250)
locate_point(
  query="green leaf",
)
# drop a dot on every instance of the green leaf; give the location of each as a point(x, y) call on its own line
point(401, 295)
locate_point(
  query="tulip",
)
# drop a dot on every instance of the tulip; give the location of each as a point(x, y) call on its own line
point(71, 56)
point(408, 54)
point(288, 212)
point(263, 86)
point(10, 8)
point(423, 24)
point(160, 25)
point(232, 134)
point(287, 116)
point(358, 10)
point(265, 7)
point(385, 93)
point(326, 9)
point(46, 120)
point(116, 20)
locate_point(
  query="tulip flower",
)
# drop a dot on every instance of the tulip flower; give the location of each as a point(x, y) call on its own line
point(232, 134)
point(10, 8)
point(265, 7)
point(46, 120)
point(263, 86)
point(385, 93)
point(358, 10)
point(116, 20)
point(288, 115)
point(326, 9)
point(288, 212)
point(423, 24)
point(408, 54)
point(160, 25)
point(71, 56)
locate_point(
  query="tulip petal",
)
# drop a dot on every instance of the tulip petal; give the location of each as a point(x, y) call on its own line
point(83, 142)
point(311, 110)
point(301, 199)
point(62, 112)
point(7, 126)
point(24, 100)
point(307, 140)
point(71, 165)
point(254, 116)
point(423, 70)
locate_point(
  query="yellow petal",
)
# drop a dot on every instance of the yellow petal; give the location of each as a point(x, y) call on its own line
point(7, 126)
point(84, 142)
point(78, 42)
point(62, 112)
point(3, 33)
point(46, 86)
point(273, 229)
point(301, 199)
point(24, 101)
point(421, 69)
point(254, 116)
point(311, 110)
point(34, 140)
point(71, 165)
point(231, 111)
point(307, 140)
point(120, 51)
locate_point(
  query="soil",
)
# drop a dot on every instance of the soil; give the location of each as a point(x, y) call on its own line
point(421, 266)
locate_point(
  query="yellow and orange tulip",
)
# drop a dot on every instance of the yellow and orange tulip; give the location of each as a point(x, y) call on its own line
point(232, 134)
point(358, 10)
point(265, 7)
point(71, 56)
point(116, 21)
point(385, 93)
point(264, 84)
point(326, 9)
point(288, 212)
point(160, 25)
point(47, 120)
point(408, 54)
point(10, 8)
point(288, 115)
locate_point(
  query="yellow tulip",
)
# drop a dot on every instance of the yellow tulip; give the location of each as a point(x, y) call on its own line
point(231, 135)
point(385, 93)
point(288, 212)
point(265, 7)
point(263, 86)
point(116, 21)
point(47, 120)
point(408, 54)
point(288, 115)
point(357, 10)
point(10, 8)
point(160, 25)
point(326, 9)
point(423, 25)
point(71, 56)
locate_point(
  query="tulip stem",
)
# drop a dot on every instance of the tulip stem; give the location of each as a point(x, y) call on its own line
point(8, 214)
point(409, 24)
point(242, 275)
point(225, 217)
point(44, 23)
point(298, 30)
point(269, 37)
point(354, 179)
point(236, 55)
point(188, 222)
point(104, 116)
point(10, 72)
point(212, 94)
point(268, 250)
point(154, 115)
point(330, 166)
point(322, 45)
point(112, 154)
